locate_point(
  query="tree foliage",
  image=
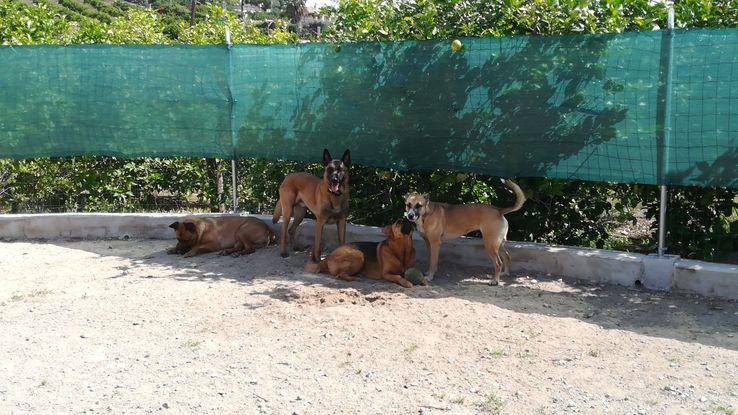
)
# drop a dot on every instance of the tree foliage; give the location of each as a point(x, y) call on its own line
point(206, 32)
point(23, 25)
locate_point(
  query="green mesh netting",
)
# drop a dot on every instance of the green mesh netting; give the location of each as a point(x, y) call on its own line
point(588, 107)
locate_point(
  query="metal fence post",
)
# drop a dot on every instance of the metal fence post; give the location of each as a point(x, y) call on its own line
point(667, 133)
point(234, 171)
point(234, 190)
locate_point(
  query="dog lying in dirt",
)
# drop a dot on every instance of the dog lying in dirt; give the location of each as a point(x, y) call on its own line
point(232, 235)
point(387, 260)
point(438, 222)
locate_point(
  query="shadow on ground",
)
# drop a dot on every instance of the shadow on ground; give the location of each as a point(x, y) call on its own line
point(682, 317)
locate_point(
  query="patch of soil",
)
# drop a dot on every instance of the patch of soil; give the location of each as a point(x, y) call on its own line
point(121, 327)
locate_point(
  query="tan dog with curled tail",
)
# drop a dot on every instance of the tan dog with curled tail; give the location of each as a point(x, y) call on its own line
point(438, 222)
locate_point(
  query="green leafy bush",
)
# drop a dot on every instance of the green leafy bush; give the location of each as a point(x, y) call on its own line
point(21, 25)
point(84, 10)
point(107, 184)
point(212, 30)
point(136, 26)
point(104, 7)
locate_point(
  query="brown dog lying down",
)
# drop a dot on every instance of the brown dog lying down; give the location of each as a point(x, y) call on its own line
point(387, 260)
point(236, 235)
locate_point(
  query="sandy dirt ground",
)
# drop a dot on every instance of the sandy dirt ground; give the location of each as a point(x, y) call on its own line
point(121, 327)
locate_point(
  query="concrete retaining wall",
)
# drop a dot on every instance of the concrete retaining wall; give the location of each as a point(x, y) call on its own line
point(86, 226)
point(661, 273)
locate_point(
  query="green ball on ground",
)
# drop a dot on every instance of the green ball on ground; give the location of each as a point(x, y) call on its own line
point(414, 276)
point(456, 45)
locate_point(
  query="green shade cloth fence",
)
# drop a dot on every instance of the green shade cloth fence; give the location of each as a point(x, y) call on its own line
point(590, 107)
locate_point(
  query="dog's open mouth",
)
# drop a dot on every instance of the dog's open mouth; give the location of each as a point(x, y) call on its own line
point(333, 187)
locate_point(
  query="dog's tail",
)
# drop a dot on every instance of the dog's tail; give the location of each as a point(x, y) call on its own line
point(321, 266)
point(277, 211)
point(519, 197)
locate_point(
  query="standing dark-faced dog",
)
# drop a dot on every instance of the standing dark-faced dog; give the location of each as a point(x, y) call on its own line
point(235, 235)
point(327, 198)
point(439, 222)
point(386, 260)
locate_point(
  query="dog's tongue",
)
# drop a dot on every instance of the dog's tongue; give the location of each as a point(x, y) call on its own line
point(333, 187)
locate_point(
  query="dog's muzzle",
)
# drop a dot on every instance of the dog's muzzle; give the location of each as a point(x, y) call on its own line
point(412, 215)
point(334, 185)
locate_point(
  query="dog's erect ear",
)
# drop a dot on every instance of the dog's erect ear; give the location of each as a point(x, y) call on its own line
point(346, 158)
point(326, 157)
point(175, 225)
point(406, 227)
point(190, 226)
point(426, 196)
